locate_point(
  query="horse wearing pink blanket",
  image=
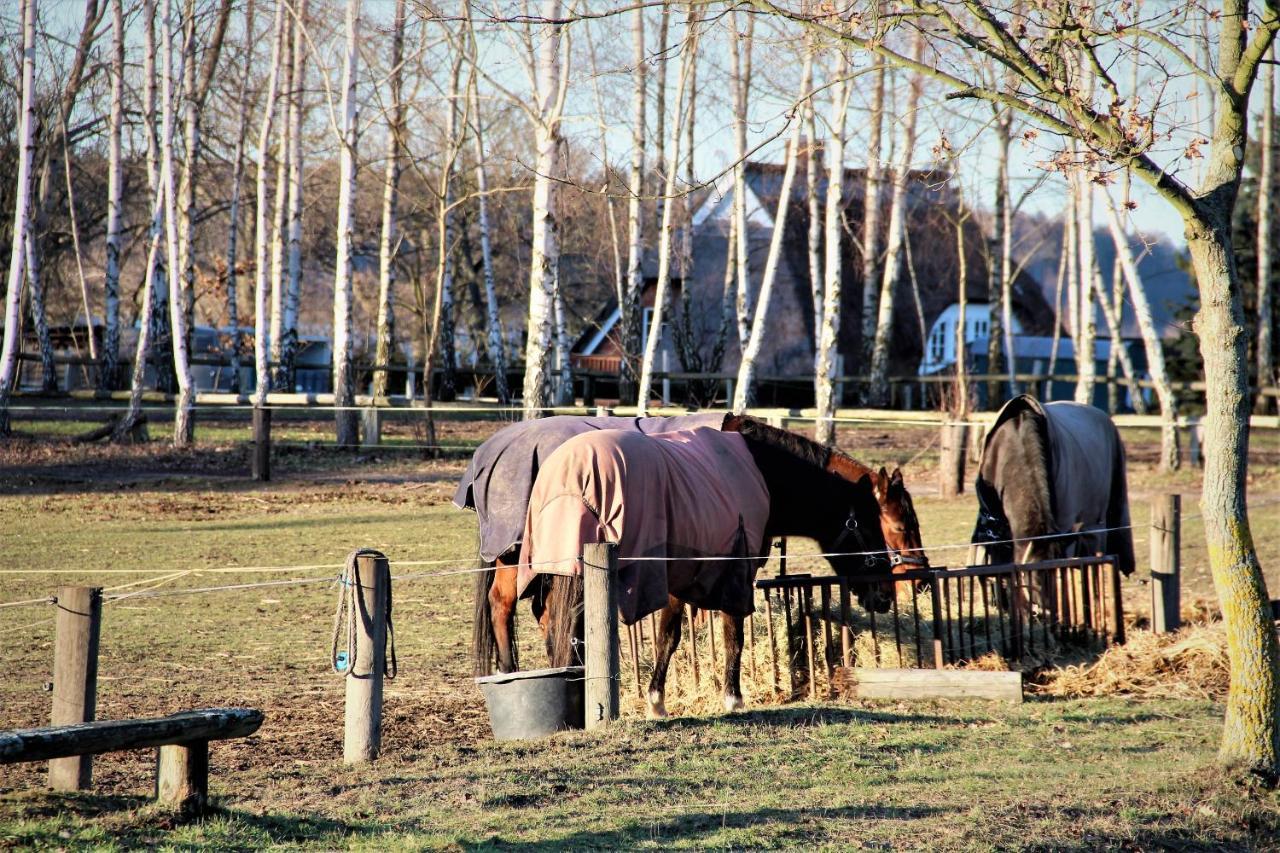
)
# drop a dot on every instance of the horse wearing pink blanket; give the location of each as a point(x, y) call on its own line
point(663, 498)
point(672, 500)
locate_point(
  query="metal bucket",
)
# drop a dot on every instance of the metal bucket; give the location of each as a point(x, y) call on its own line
point(534, 703)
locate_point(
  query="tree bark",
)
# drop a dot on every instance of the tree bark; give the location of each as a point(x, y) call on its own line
point(387, 249)
point(9, 366)
point(233, 224)
point(996, 264)
point(279, 205)
point(833, 262)
point(740, 81)
point(286, 371)
point(631, 310)
point(1266, 369)
point(262, 329)
point(545, 261)
point(1086, 365)
point(871, 219)
point(343, 374)
point(110, 365)
point(813, 199)
point(894, 252)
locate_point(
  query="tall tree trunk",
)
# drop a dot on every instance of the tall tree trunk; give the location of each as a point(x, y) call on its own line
point(871, 219)
point(631, 309)
point(343, 374)
point(894, 252)
point(185, 411)
point(670, 170)
point(1064, 255)
point(387, 249)
point(161, 344)
point(1267, 378)
point(1086, 365)
point(1169, 453)
point(278, 207)
point(493, 322)
point(233, 224)
point(996, 322)
point(740, 80)
point(110, 366)
point(833, 263)
point(286, 372)
point(9, 366)
point(1119, 353)
point(442, 319)
point(545, 261)
point(744, 392)
point(262, 333)
point(961, 409)
point(813, 199)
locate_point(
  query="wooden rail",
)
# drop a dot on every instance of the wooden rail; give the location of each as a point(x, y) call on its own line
point(182, 771)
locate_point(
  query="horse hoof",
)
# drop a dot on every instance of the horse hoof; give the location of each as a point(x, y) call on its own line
point(656, 707)
point(734, 703)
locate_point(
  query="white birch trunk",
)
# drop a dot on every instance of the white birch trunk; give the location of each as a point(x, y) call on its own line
point(1119, 354)
point(1151, 340)
point(233, 224)
point(996, 323)
point(161, 345)
point(744, 390)
point(1063, 260)
point(21, 213)
point(815, 203)
point(833, 266)
point(278, 207)
point(107, 378)
point(961, 409)
point(285, 373)
point(631, 308)
point(545, 259)
point(261, 337)
point(1086, 366)
point(496, 348)
point(895, 250)
point(343, 377)
point(184, 412)
point(670, 169)
point(871, 218)
point(740, 71)
point(388, 245)
point(1267, 378)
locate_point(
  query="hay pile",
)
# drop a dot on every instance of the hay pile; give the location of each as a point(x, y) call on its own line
point(1189, 664)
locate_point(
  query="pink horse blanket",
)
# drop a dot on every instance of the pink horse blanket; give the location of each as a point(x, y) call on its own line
point(664, 498)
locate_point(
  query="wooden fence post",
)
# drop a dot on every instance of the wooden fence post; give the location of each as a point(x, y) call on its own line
point(182, 776)
point(261, 444)
point(604, 412)
point(75, 677)
point(952, 466)
point(362, 734)
point(600, 613)
point(1166, 563)
point(371, 427)
point(1196, 431)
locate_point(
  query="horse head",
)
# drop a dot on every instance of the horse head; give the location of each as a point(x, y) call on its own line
point(859, 548)
point(898, 522)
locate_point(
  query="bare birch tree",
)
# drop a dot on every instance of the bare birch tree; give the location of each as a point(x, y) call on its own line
point(833, 262)
point(871, 215)
point(551, 85)
point(233, 210)
point(741, 45)
point(631, 310)
point(895, 248)
point(262, 328)
point(293, 291)
point(12, 346)
point(1266, 370)
point(389, 244)
point(344, 399)
point(109, 368)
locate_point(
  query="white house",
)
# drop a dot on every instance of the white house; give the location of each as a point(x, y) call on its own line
point(940, 348)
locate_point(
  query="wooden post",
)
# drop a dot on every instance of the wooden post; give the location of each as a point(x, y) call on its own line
point(1166, 563)
point(604, 412)
point(846, 624)
point(1196, 435)
point(261, 444)
point(1117, 605)
point(370, 427)
point(935, 601)
point(362, 737)
point(666, 379)
point(952, 466)
point(75, 677)
point(182, 776)
point(600, 603)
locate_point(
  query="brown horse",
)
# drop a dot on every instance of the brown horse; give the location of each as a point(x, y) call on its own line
point(495, 598)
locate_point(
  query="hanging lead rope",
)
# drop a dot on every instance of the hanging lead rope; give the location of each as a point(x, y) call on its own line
point(347, 612)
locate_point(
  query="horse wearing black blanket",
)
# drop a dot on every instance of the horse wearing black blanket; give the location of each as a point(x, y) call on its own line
point(1051, 484)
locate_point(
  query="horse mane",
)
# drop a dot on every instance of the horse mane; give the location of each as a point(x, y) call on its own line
point(756, 430)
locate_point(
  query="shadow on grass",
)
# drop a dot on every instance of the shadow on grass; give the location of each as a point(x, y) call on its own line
point(802, 717)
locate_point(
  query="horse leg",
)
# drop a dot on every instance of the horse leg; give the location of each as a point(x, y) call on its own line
point(732, 661)
point(502, 608)
point(668, 640)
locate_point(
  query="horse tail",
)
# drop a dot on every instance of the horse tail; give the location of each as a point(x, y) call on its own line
point(484, 643)
point(564, 620)
point(1119, 538)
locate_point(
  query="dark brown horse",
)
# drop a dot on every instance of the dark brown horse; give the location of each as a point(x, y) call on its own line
point(798, 496)
point(498, 482)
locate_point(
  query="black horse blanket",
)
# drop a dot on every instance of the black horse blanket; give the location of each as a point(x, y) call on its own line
point(1084, 463)
point(500, 478)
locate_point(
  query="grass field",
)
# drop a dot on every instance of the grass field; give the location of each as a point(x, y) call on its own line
point(1088, 773)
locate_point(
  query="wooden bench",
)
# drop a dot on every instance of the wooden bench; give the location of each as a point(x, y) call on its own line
point(182, 760)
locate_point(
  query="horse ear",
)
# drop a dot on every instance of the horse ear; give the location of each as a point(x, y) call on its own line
point(896, 477)
point(879, 483)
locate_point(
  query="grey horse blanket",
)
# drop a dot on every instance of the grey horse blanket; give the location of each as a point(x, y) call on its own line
point(670, 500)
point(1086, 473)
point(500, 477)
